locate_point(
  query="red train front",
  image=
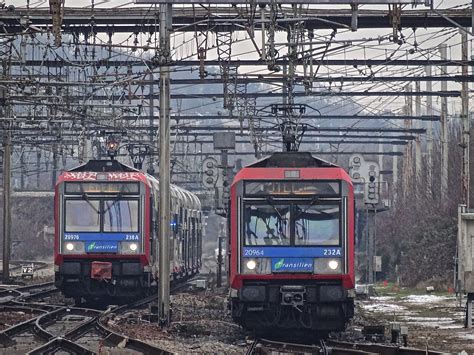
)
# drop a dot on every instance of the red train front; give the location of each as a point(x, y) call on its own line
point(292, 244)
point(106, 232)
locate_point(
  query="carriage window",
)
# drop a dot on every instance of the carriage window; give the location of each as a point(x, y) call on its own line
point(317, 225)
point(121, 216)
point(82, 216)
point(267, 225)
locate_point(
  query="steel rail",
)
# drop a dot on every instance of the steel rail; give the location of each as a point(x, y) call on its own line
point(59, 343)
point(19, 292)
point(383, 349)
point(260, 345)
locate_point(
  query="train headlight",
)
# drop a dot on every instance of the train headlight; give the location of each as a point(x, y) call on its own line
point(73, 248)
point(333, 264)
point(129, 247)
point(256, 266)
point(327, 266)
point(251, 264)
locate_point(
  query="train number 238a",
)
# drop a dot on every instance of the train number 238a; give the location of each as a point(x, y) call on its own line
point(332, 252)
point(131, 237)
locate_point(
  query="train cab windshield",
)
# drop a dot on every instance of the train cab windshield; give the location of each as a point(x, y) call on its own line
point(101, 208)
point(316, 224)
point(291, 216)
point(267, 225)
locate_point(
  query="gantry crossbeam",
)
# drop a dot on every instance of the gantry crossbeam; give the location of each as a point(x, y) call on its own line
point(78, 20)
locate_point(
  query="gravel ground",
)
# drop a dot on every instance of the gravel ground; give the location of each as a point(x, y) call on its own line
point(8, 319)
point(433, 320)
point(201, 324)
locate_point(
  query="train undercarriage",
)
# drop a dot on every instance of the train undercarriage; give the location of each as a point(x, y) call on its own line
point(104, 279)
point(321, 307)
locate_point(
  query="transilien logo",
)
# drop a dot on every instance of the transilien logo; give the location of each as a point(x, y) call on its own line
point(279, 264)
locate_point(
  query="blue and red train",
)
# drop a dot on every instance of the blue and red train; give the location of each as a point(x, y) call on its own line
point(291, 262)
point(106, 232)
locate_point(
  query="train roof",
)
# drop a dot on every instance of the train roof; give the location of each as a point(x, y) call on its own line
point(104, 166)
point(292, 160)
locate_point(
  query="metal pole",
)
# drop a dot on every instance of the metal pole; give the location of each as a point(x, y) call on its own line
point(152, 118)
point(219, 262)
point(164, 232)
point(38, 167)
point(225, 180)
point(262, 15)
point(429, 134)
point(469, 308)
point(444, 126)
point(22, 170)
point(7, 218)
point(55, 166)
point(418, 139)
point(465, 121)
point(371, 244)
point(395, 172)
point(381, 177)
point(458, 269)
point(408, 156)
point(472, 16)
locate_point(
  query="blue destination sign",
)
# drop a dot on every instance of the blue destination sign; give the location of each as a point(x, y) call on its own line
point(292, 265)
point(101, 247)
point(88, 237)
point(292, 252)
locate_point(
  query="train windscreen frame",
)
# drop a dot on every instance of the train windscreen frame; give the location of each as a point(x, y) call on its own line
point(118, 193)
point(84, 220)
point(270, 222)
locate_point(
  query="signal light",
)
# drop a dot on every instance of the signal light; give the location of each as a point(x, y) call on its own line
point(112, 146)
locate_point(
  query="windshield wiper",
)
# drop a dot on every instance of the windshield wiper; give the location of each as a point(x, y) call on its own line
point(114, 201)
point(313, 201)
point(85, 197)
point(119, 196)
point(270, 201)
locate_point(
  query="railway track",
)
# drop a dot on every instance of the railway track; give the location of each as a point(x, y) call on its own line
point(265, 346)
point(26, 293)
point(72, 329)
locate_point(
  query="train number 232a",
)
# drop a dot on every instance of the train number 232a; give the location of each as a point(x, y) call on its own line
point(332, 252)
